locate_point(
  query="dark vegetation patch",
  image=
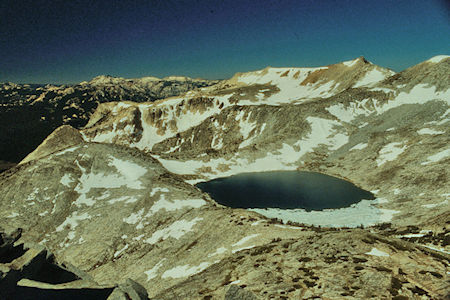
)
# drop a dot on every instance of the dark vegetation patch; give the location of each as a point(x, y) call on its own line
point(383, 269)
point(358, 260)
point(396, 285)
point(418, 290)
point(309, 284)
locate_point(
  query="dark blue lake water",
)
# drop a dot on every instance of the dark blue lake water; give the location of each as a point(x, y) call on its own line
point(284, 189)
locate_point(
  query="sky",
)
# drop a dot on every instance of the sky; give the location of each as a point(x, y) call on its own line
point(63, 41)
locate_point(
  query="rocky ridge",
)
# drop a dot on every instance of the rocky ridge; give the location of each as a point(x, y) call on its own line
point(29, 113)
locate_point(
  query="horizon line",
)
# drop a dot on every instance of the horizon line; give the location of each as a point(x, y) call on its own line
point(203, 78)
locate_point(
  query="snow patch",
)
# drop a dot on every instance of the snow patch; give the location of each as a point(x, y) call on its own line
point(288, 227)
point(127, 199)
point(152, 273)
point(371, 77)
point(437, 157)
point(438, 58)
point(12, 215)
point(385, 90)
point(242, 248)
point(348, 113)
point(362, 213)
point(66, 180)
point(218, 251)
point(359, 146)
point(134, 217)
point(73, 221)
point(435, 204)
point(350, 63)
point(118, 252)
point(289, 88)
point(71, 149)
point(176, 204)
point(323, 132)
point(439, 249)
point(43, 214)
point(420, 94)
point(176, 230)
point(429, 131)
point(185, 271)
point(158, 189)
point(245, 240)
point(376, 252)
point(130, 171)
point(390, 152)
point(33, 194)
point(256, 223)
point(414, 235)
point(128, 175)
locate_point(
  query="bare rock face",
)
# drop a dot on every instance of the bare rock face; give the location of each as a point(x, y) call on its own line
point(237, 293)
point(63, 137)
point(129, 290)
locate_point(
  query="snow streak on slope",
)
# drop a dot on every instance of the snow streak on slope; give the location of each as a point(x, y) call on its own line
point(350, 63)
point(438, 58)
point(288, 80)
point(437, 157)
point(127, 176)
point(323, 132)
point(179, 122)
point(185, 270)
point(420, 94)
point(390, 152)
point(430, 131)
point(176, 230)
point(373, 77)
point(355, 108)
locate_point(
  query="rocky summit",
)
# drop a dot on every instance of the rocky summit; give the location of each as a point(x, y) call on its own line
point(116, 199)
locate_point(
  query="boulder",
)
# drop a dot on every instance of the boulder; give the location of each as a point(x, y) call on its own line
point(131, 289)
point(237, 293)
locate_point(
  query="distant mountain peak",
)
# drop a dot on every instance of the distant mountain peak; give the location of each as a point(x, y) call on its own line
point(105, 79)
point(353, 62)
point(437, 59)
point(177, 78)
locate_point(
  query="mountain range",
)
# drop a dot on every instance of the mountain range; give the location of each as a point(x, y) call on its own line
point(115, 197)
point(29, 113)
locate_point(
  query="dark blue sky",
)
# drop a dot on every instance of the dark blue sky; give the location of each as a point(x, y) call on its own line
point(66, 41)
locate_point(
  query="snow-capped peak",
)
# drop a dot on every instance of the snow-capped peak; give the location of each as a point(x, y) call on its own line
point(105, 79)
point(148, 79)
point(437, 59)
point(177, 78)
point(351, 63)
